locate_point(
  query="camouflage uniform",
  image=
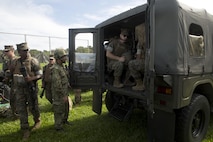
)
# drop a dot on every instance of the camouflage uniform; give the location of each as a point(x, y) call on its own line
point(25, 91)
point(60, 86)
point(77, 93)
point(46, 80)
point(118, 48)
point(136, 66)
point(8, 77)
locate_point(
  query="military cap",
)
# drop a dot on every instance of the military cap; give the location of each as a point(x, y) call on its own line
point(51, 57)
point(22, 46)
point(8, 48)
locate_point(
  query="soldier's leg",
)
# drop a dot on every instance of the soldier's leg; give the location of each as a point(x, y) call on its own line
point(136, 67)
point(118, 69)
point(13, 103)
point(58, 109)
point(34, 109)
point(77, 93)
point(66, 111)
point(21, 106)
point(48, 93)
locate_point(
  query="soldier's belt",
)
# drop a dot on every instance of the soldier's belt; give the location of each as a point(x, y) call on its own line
point(19, 80)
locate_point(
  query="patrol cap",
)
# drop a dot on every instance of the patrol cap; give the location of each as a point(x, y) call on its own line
point(124, 32)
point(51, 57)
point(22, 46)
point(8, 48)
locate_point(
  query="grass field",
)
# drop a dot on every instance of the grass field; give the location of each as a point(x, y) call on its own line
point(87, 126)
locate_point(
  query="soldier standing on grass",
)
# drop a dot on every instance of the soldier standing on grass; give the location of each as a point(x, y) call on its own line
point(77, 93)
point(46, 78)
point(26, 71)
point(60, 90)
point(9, 53)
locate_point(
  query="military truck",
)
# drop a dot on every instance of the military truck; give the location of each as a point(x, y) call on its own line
point(178, 78)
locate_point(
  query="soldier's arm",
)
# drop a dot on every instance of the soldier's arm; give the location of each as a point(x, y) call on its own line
point(37, 71)
point(112, 56)
point(43, 76)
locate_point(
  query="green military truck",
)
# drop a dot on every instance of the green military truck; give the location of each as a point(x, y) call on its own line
point(178, 73)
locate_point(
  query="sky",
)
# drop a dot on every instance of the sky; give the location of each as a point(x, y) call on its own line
point(44, 24)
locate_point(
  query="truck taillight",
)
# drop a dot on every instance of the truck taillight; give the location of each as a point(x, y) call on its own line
point(164, 90)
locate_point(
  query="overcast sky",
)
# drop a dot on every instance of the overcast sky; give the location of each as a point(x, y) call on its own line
point(53, 18)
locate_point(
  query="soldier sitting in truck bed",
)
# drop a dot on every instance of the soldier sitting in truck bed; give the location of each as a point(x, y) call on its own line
point(118, 53)
point(136, 66)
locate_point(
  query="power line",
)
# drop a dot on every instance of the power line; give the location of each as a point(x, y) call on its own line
point(33, 35)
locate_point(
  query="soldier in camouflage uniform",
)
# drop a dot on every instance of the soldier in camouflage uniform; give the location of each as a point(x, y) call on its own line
point(26, 71)
point(46, 78)
point(11, 57)
point(136, 66)
point(60, 86)
point(118, 54)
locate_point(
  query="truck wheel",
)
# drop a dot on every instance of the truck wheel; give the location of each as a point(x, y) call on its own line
point(110, 100)
point(192, 120)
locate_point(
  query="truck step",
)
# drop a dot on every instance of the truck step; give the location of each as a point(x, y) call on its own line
point(121, 112)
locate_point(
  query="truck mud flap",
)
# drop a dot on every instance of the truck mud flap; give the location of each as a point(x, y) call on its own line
point(161, 126)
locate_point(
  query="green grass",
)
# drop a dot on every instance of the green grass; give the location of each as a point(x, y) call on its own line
point(87, 126)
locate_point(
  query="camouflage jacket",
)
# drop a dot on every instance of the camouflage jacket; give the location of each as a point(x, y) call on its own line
point(59, 81)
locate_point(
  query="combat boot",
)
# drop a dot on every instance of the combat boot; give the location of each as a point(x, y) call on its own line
point(117, 83)
point(36, 125)
point(139, 85)
point(26, 135)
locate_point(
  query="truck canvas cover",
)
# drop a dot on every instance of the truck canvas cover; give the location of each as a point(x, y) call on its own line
point(182, 37)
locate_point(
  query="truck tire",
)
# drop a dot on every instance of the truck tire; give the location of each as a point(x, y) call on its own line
point(193, 120)
point(110, 100)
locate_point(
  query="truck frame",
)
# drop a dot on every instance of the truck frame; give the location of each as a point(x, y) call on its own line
point(178, 69)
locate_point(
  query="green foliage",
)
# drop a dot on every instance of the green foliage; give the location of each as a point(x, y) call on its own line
point(82, 49)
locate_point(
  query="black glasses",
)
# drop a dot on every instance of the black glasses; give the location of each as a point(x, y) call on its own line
point(125, 35)
point(6, 50)
point(25, 50)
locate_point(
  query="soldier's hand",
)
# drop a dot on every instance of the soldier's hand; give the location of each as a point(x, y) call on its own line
point(121, 59)
point(65, 98)
point(28, 78)
point(69, 86)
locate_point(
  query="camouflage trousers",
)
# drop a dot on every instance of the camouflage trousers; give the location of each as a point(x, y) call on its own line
point(117, 67)
point(48, 93)
point(61, 112)
point(77, 93)
point(13, 101)
point(24, 100)
point(136, 67)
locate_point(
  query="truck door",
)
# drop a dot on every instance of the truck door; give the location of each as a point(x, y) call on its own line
point(84, 63)
point(84, 60)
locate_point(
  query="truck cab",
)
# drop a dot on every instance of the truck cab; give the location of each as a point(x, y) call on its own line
point(178, 68)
